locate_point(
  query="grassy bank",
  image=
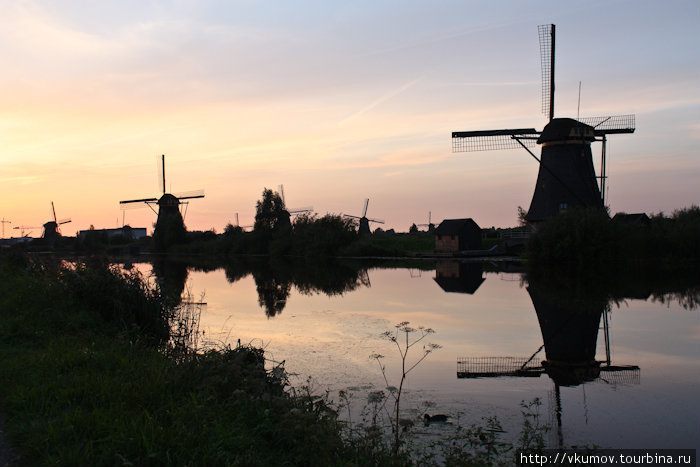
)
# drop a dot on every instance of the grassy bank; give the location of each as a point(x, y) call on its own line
point(93, 376)
point(89, 379)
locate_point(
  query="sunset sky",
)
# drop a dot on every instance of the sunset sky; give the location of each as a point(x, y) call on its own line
point(337, 101)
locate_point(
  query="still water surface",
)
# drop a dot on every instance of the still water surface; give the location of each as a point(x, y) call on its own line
point(330, 338)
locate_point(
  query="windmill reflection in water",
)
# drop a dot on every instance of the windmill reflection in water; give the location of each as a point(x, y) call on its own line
point(569, 333)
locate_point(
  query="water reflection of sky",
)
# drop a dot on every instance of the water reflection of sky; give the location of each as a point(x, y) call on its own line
point(331, 338)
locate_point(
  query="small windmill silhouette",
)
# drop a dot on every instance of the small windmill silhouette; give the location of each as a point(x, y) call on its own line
point(364, 220)
point(51, 228)
point(430, 227)
point(169, 205)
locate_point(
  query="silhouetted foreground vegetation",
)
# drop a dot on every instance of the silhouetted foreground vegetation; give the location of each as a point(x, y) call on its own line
point(89, 379)
point(92, 375)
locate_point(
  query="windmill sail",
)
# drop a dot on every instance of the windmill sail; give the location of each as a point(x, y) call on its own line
point(490, 140)
point(301, 210)
point(547, 34)
point(614, 124)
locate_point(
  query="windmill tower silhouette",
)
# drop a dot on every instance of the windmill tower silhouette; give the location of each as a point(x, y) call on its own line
point(566, 177)
point(364, 220)
point(51, 228)
point(169, 205)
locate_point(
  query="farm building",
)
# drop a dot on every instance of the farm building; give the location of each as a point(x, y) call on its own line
point(128, 232)
point(455, 235)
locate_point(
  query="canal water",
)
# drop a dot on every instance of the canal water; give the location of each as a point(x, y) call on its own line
point(622, 373)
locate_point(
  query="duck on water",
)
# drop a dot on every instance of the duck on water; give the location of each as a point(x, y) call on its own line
point(439, 418)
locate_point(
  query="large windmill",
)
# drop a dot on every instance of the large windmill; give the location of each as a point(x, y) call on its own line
point(364, 220)
point(566, 177)
point(169, 205)
point(51, 228)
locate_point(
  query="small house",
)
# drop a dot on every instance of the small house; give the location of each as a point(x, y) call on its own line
point(455, 235)
point(632, 219)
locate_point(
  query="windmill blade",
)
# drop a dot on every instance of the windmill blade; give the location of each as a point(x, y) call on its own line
point(130, 206)
point(63, 221)
point(622, 375)
point(547, 34)
point(364, 212)
point(161, 173)
point(281, 192)
point(490, 140)
point(612, 124)
point(351, 217)
point(488, 367)
point(378, 221)
point(190, 194)
point(54, 211)
point(300, 210)
point(143, 200)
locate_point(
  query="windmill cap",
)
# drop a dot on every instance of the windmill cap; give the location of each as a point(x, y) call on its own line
point(561, 130)
point(168, 200)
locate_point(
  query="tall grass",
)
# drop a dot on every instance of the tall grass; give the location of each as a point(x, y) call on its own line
point(86, 382)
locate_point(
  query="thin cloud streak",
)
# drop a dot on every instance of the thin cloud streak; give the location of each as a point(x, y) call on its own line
point(380, 100)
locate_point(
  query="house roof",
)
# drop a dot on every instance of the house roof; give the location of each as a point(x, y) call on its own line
point(636, 218)
point(455, 226)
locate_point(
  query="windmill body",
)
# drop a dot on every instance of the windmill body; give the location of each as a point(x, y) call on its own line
point(566, 177)
point(168, 208)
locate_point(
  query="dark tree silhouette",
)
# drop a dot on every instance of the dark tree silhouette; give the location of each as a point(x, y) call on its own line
point(271, 215)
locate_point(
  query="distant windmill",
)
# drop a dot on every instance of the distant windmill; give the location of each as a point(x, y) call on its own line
point(364, 220)
point(294, 211)
point(51, 228)
point(429, 226)
point(566, 177)
point(168, 204)
point(241, 226)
